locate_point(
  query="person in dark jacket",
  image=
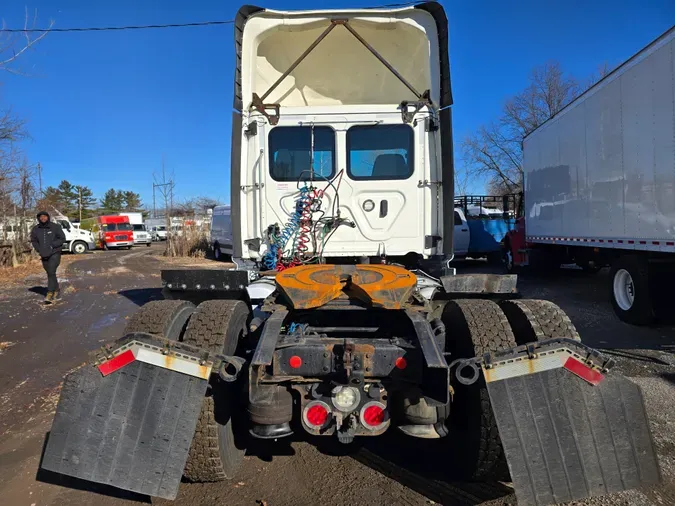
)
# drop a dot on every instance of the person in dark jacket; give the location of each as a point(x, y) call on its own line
point(47, 239)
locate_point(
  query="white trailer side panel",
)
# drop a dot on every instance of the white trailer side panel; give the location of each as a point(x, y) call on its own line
point(602, 172)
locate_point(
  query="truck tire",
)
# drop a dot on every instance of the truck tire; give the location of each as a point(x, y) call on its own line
point(163, 318)
point(474, 327)
point(79, 247)
point(537, 320)
point(630, 291)
point(217, 450)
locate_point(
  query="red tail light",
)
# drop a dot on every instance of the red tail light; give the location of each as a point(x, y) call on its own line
point(401, 363)
point(316, 414)
point(374, 415)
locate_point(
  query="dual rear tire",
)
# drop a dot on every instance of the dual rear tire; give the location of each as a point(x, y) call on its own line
point(218, 445)
point(477, 326)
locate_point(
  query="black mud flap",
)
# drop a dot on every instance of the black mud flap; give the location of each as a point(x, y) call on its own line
point(570, 428)
point(130, 429)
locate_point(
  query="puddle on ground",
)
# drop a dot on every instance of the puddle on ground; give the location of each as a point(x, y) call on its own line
point(104, 322)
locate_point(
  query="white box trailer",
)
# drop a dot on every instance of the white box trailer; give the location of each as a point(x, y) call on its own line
point(599, 186)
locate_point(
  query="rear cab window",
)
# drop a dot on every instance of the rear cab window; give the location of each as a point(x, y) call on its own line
point(293, 150)
point(458, 218)
point(380, 152)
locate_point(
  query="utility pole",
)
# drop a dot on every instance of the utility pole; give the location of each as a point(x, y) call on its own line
point(79, 191)
point(39, 171)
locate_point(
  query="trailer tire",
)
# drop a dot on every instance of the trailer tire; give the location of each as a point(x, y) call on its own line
point(631, 274)
point(474, 327)
point(217, 451)
point(537, 320)
point(163, 318)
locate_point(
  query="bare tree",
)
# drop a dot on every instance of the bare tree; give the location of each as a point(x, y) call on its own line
point(494, 152)
point(601, 71)
point(14, 44)
point(195, 206)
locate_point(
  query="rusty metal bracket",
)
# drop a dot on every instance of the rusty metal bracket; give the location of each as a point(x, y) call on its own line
point(258, 104)
point(406, 114)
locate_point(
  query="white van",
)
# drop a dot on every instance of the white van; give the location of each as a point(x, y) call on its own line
point(221, 231)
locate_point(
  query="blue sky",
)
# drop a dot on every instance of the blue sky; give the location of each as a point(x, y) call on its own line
point(103, 107)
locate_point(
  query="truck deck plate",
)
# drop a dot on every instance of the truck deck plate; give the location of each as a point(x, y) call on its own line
point(566, 439)
point(131, 429)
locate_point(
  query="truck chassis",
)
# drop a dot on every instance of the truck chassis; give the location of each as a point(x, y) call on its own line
point(504, 384)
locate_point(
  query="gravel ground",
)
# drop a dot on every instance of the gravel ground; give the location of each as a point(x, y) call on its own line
point(38, 346)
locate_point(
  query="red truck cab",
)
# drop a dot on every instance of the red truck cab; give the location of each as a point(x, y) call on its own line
point(115, 232)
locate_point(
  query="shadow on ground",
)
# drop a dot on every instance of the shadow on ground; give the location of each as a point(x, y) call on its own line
point(423, 466)
point(40, 290)
point(141, 296)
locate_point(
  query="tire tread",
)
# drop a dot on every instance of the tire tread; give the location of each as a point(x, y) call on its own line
point(486, 328)
point(208, 329)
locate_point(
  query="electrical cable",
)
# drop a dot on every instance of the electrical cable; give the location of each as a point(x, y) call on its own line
point(115, 28)
point(169, 25)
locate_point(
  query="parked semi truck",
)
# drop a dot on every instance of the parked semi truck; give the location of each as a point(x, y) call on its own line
point(332, 323)
point(599, 186)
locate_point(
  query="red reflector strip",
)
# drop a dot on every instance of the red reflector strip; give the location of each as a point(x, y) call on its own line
point(583, 371)
point(116, 363)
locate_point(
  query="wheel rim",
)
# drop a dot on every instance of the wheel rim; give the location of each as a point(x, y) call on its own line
point(216, 252)
point(79, 248)
point(624, 289)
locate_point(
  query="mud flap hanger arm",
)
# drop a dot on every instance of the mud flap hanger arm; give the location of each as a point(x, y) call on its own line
point(227, 367)
point(258, 102)
point(467, 370)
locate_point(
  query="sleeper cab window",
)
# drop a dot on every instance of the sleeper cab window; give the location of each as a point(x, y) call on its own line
point(293, 150)
point(380, 152)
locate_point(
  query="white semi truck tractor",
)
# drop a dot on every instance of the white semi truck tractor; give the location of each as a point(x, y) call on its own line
point(341, 318)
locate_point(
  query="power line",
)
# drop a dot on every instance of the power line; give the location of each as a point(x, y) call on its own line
point(114, 28)
point(172, 25)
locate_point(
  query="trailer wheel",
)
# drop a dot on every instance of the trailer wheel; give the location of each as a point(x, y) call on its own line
point(473, 328)
point(630, 290)
point(165, 318)
point(217, 450)
point(536, 320)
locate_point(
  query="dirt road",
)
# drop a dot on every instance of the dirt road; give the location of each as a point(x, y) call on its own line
point(39, 345)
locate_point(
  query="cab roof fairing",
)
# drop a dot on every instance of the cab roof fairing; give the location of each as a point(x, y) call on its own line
point(413, 39)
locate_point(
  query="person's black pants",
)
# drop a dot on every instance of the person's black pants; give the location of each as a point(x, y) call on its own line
point(50, 265)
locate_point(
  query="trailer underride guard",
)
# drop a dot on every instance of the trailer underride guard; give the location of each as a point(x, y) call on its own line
point(343, 318)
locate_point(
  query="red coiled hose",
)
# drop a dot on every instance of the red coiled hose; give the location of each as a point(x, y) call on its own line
point(305, 224)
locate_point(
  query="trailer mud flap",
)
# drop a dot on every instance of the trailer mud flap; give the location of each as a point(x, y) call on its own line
point(570, 429)
point(131, 428)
